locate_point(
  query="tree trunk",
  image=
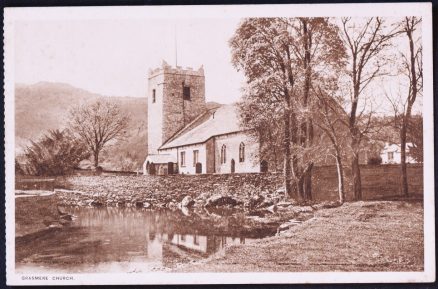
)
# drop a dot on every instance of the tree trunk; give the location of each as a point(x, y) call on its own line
point(308, 183)
point(357, 184)
point(340, 171)
point(404, 173)
point(407, 115)
point(287, 156)
point(96, 159)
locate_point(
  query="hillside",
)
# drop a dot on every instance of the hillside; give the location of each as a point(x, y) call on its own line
point(44, 105)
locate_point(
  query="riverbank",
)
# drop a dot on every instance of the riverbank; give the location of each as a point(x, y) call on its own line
point(360, 236)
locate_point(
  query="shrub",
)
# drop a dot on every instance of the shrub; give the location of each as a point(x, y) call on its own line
point(377, 160)
point(56, 153)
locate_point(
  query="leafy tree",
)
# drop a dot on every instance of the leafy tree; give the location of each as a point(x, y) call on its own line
point(56, 153)
point(283, 59)
point(98, 124)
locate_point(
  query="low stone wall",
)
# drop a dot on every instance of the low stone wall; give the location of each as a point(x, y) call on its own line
point(377, 182)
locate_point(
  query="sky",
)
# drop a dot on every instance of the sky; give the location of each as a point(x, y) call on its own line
point(112, 57)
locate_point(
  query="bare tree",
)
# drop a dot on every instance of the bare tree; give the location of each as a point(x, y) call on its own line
point(332, 119)
point(413, 64)
point(365, 44)
point(411, 68)
point(97, 124)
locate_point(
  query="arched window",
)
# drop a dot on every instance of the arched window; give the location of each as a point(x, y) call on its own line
point(241, 152)
point(223, 154)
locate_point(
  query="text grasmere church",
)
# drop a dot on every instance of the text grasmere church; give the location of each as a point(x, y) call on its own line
point(187, 138)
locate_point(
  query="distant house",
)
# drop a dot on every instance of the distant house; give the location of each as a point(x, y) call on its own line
point(184, 137)
point(391, 154)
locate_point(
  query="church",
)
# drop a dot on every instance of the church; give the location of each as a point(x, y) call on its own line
point(184, 137)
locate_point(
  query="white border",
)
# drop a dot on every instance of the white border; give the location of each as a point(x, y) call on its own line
point(423, 10)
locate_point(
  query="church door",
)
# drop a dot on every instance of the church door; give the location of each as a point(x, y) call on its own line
point(198, 168)
point(170, 168)
point(233, 166)
point(264, 166)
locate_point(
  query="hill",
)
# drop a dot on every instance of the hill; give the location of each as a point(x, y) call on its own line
point(44, 105)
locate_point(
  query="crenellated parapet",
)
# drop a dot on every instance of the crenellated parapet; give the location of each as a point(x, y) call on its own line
point(168, 69)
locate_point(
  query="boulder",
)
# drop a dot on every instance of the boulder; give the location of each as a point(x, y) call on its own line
point(221, 201)
point(96, 203)
point(255, 201)
point(187, 202)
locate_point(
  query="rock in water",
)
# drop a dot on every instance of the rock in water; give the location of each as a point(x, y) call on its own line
point(187, 202)
point(219, 201)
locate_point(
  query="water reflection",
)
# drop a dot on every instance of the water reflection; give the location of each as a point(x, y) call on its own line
point(128, 240)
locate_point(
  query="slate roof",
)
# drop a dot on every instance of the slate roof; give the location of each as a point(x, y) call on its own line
point(218, 121)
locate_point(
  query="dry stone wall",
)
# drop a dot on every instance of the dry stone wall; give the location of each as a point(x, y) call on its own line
point(378, 182)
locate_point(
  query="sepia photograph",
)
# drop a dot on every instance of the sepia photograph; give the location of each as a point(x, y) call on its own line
point(219, 144)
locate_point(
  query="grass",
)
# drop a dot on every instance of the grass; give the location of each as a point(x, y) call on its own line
point(34, 214)
point(361, 236)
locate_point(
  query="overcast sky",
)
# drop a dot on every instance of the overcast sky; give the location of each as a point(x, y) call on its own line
point(112, 57)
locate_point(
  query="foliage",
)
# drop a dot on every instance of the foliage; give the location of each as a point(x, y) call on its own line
point(98, 124)
point(284, 60)
point(56, 153)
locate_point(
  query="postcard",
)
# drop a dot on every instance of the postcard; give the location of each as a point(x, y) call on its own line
point(241, 144)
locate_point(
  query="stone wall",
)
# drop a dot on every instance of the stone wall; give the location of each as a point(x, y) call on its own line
point(378, 181)
point(170, 112)
point(178, 112)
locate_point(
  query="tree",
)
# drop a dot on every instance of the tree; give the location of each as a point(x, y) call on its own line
point(332, 117)
point(98, 124)
point(365, 44)
point(413, 65)
point(57, 153)
point(402, 103)
point(281, 59)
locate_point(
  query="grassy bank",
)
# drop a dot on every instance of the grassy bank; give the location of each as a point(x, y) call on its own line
point(36, 213)
point(361, 236)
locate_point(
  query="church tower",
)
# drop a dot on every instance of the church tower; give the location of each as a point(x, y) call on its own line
point(175, 97)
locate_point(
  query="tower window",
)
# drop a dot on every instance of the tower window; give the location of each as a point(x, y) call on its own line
point(223, 154)
point(153, 96)
point(242, 152)
point(186, 92)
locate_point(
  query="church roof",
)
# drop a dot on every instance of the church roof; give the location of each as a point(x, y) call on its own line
point(218, 121)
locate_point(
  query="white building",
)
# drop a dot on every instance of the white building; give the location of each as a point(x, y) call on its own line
point(391, 154)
